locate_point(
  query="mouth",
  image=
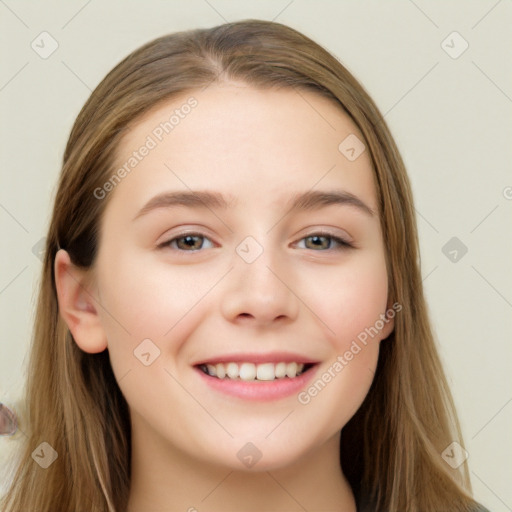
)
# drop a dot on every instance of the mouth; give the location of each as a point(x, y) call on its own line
point(257, 377)
point(251, 372)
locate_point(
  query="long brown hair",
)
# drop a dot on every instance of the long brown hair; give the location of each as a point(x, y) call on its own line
point(391, 448)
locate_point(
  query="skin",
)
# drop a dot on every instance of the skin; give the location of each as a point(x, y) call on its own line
point(260, 147)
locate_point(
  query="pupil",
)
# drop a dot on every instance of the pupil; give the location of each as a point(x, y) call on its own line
point(189, 240)
point(317, 241)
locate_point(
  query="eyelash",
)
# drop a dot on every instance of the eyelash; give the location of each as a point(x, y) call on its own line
point(342, 244)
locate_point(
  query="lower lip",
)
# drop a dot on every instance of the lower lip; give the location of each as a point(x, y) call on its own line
point(261, 391)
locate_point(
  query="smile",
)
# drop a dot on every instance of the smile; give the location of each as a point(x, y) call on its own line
point(255, 372)
point(260, 380)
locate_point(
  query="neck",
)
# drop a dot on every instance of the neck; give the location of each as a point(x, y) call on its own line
point(170, 480)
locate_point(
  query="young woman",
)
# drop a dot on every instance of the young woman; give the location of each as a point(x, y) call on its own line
point(231, 314)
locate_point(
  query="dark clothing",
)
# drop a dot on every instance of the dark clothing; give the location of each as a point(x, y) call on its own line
point(364, 505)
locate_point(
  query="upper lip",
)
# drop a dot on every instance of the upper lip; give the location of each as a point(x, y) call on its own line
point(269, 357)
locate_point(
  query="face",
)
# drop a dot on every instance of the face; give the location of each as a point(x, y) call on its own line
point(241, 281)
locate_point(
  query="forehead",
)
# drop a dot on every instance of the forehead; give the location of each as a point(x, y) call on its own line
point(246, 142)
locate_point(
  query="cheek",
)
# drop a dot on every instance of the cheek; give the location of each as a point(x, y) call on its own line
point(350, 299)
point(348, 303)
point(144, 299)
point(359, 297)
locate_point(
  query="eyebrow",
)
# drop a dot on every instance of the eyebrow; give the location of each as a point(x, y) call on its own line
point(203, 199)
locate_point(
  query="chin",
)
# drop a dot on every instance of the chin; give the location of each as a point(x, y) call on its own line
point(258, 456)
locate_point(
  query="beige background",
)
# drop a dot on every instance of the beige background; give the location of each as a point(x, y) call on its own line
point(451, 118)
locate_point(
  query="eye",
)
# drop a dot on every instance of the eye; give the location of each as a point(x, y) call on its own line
point(190, 242)
point(193, 242)
point(323, 241)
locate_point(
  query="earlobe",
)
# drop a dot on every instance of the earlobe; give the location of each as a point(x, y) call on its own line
point(77, 305)
point(389, 322)
point(388, 328)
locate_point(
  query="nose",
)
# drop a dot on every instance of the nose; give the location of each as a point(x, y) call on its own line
point(260, 293)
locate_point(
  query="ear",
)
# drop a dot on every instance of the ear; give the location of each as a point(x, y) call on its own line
point(77, 306)
point(389, 323)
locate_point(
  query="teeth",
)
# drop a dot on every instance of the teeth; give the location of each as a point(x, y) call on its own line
point(247, 371)
point(220, 371)
point(252, 372)
point(232, 370)
point(280, 370)
point(291, 370)
point(266, 372)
